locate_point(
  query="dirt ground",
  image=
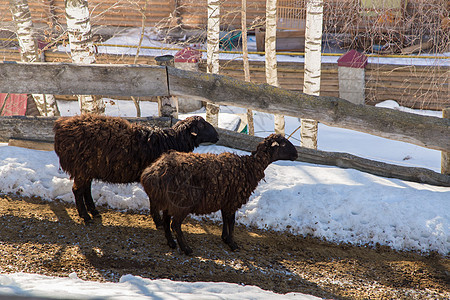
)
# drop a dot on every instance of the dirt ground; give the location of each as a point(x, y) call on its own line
point(48, 238)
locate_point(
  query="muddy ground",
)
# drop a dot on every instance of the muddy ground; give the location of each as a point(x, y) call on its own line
point(48, 238)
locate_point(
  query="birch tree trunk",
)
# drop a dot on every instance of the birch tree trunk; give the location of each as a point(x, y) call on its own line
point(212, 54)
point(46, 104)
point(141, 38)
point(82, 48)
point(311, 85)
point(250, 123)
point(271, 55)
point(445, 156)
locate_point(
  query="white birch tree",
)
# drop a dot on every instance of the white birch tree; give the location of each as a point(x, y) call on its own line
point(82, 48)
point(271, 55)
point(250, 123)
point(46, 104)
point(212, 54)
point(311, 84)
point(143, 11)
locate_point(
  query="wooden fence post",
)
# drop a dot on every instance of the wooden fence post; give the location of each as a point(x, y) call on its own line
point(445, 157)
point(167, 105)
point(188, 59)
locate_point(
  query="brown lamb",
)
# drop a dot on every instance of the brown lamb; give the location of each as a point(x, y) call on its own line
point(113, 150)
point(183, 183)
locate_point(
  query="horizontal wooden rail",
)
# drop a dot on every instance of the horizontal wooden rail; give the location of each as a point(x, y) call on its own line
point(425, 131)
point(40, 129)
point(343, 160)
point(73, 79)
point(133, 80)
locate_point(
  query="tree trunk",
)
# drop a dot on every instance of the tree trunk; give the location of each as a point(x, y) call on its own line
point(46, 104)
point(82, 48)
point(136, 100)
point(445, 156)
point(250, 123)
point(311, 85)
point(212, 60)
point(271, 55)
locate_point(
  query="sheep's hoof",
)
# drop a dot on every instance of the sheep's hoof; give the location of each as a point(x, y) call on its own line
point(227, 240)
point(159, 225)
point(172, 244)
point(88, 223)
point(96, 214)
point(233, 246)
point(187, 251)
point(87, 220)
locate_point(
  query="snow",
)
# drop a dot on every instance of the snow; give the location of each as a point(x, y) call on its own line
point(339, 205)
point(130, 287)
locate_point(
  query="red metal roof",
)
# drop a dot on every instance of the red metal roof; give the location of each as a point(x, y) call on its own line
point(353, 59)
point(188, 55)
point(13, 104)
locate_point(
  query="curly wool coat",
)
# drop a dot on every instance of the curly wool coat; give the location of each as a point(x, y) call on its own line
point(184, 183)
point(113, 150)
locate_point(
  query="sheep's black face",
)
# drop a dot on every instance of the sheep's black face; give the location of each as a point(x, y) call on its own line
point(282, 149)
point(204, 132)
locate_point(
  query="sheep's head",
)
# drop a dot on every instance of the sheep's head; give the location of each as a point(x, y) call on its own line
point(200, 130)
point(277, 147)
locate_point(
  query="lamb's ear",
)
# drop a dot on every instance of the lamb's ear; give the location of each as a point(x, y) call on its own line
point(274, 144)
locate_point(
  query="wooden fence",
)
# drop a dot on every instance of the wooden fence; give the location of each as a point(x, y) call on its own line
point(420, 87)
point(126, 80)
point(133, 80)
point(37, 133)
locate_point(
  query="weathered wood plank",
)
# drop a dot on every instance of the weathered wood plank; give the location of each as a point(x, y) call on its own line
point(72, 79)
point(20, 127)
point(132, 80)
point(425, 131)
point(343, 160)
point(40, 129)
point(31, 144)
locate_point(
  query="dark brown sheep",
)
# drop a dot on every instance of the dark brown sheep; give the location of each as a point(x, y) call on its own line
point(183, 183)
point(113, 150)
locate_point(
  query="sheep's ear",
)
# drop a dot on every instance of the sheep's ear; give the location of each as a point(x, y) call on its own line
point(274, 144)
point(194, 130)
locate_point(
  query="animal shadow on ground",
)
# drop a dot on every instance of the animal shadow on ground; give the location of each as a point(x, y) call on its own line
point(49, 238)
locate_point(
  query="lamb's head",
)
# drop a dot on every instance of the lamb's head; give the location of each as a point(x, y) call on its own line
point(277, 147)
point(201, 131)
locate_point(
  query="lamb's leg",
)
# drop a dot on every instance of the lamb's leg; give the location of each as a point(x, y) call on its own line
point(228, 229)
point(156, 216)
point(167, 232)
point(176, 227)
point(89, 201)
point(78, 192)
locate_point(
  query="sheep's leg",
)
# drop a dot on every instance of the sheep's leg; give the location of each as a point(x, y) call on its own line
point(176, 227)
point(89, 201)
point(156, 216)
point(78, 192)
point(228, 229)
point(224, 226)
point(167, 232)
